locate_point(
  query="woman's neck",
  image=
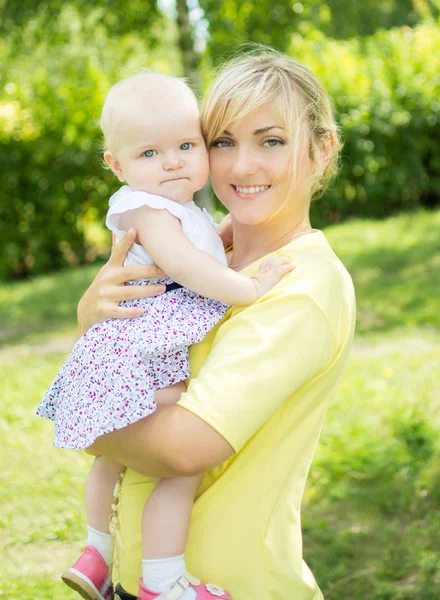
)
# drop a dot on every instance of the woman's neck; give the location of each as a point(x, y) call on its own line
point(251, 242)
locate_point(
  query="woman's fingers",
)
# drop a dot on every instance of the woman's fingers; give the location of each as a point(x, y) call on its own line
point(108, 289)
point(132, 292)
point(225, 231)
point(132, 272)
point(120, 250)
point(121, 312)
point(113, 275)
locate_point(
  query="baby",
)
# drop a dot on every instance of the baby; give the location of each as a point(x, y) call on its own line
point(121, 370)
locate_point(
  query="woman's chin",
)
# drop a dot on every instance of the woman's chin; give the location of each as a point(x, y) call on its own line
point(250, 219)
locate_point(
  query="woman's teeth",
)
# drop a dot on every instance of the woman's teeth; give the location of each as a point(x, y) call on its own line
point(252, 190)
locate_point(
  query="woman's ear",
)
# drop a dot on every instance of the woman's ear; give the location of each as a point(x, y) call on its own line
point(327, 148)
point(114, 165)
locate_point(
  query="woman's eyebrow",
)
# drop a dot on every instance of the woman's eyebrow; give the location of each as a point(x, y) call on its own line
point(266, 129)
point(257, 131)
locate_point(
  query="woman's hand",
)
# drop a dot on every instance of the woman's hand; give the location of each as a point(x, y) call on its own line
point(107, 290)
point(225, 231)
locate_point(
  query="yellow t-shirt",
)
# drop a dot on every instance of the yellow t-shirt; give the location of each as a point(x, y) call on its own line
point(262, 379)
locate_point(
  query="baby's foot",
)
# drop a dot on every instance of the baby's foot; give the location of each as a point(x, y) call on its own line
point(180, 591)
point(90, 576)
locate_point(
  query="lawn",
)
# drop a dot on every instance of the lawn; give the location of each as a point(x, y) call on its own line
point(371, 518)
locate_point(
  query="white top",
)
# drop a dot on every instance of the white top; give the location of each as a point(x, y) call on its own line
point(197, 225)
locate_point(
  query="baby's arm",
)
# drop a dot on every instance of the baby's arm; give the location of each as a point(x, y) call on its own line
point(161, 235)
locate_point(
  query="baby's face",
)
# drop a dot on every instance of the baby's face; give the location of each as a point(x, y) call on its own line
point(162, 151)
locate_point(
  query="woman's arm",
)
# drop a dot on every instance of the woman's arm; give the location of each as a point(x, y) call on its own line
point(161, 235)
point(259, 358)
point(102, 298)
point(172, 442)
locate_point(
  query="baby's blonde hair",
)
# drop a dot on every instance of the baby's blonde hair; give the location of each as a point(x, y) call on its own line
point(128, 94)
point(304, 107)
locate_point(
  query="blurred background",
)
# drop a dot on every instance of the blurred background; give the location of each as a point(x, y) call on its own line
point(371, 513)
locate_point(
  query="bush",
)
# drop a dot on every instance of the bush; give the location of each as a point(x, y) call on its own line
point(386, 91)
point(53, 185)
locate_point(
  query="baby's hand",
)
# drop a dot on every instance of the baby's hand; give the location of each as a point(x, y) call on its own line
point(271, 272)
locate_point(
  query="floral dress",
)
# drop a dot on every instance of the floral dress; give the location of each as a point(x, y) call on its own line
point(109, 379)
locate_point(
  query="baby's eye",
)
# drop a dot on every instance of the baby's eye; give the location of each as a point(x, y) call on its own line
point(149, 153)
point(272, 142)
point(221, 144)
point(186, 146)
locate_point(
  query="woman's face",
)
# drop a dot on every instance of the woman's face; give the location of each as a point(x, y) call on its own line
point(251, 173)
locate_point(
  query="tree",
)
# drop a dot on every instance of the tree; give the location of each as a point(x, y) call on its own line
point(190, 57)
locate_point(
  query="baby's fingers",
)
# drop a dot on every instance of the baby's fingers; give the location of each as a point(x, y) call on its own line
point(287, 268)
point(274, 263)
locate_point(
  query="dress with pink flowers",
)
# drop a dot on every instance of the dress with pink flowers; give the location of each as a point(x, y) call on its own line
point(109, 378)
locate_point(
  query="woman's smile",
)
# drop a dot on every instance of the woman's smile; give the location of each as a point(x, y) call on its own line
point(249, 191)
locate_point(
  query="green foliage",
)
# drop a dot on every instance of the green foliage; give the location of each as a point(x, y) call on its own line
point(386, 91)
point(232, 22)
point(344, 19)
point(137, 14)
point(272, 23)
point(59, 59)
point(51, 94)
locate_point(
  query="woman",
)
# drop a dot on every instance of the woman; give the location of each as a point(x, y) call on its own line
point(254, 409)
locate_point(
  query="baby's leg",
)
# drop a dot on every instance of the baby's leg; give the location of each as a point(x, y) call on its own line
point(100, 484)
point(166, 519)
point(170, 394)
point(90, 576)
point(165, 525)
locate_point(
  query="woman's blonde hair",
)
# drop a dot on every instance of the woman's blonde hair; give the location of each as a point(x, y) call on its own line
point(304, 107)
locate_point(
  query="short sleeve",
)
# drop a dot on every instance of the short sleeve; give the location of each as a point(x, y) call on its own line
point(125, 199)
point(258, 359)
point(210, 219)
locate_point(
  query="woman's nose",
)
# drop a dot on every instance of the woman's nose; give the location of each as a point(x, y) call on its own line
point(245, 163)
point(172, 160)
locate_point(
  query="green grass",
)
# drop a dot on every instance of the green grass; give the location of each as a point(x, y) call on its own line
point(395, 265)
point(31, 309)
point(371, 520)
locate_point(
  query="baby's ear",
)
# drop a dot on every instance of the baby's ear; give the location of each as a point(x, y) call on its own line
point(114, 165)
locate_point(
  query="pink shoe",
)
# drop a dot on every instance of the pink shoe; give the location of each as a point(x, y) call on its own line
point(90, 576)
point(204, 592)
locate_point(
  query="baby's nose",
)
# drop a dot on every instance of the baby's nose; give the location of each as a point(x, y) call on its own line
point(172, 160)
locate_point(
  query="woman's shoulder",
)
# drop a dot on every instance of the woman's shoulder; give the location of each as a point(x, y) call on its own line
point(316, 261)
point(321, 276)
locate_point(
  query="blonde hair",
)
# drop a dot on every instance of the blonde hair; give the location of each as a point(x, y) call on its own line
point(130, 93)
point(247, 82)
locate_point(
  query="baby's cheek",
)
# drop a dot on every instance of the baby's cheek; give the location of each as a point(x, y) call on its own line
point(203, 167)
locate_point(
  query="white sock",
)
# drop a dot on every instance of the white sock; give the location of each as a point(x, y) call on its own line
point(103, 542)
point(159, 575)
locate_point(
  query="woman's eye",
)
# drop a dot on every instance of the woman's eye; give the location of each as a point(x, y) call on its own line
point(149, 153)
point(274, 142)
point(221, 144)
point(186, 146)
